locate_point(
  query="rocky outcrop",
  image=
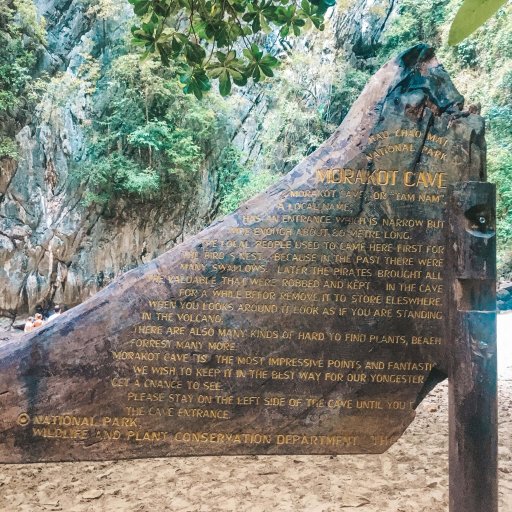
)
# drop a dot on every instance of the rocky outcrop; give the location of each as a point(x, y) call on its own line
point(360, 33)
point(53, 249)
point(504, 296)
point(352, 35)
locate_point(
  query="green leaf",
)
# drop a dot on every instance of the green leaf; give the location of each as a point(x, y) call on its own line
point(195, 82)
point(266, 70)
point(471, 15)
point(239, 7)
point(216, 72)
point(194, 53)
point(141, 38)
point(270, 61)
point(249, 16)
point(254, 53)
point(323, 5)
point(165, 50)
point(160, 8)
point(202, 80)
point(256, 75)
point(236, 74)
point(227, 68)
point(221, 56)
point(264, 24)
point(240, 81)
point(256, 25)
point(176, 44)
point(141, 8)
point(224, 83)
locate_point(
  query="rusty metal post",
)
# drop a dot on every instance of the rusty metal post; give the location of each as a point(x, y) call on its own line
point(472, 351)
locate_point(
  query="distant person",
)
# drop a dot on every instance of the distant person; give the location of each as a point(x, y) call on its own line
point(38, 322)
point(57, 311)
point(29, 324)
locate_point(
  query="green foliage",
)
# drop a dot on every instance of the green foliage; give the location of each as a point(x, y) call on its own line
point(231, 176)
point(21, 33)
point(482, 70)
point(306, 107)
point(106, 9)
point(28, 21)
point(344, 93)
point(221, 39)
point(500, 123)
point(17, 53)
point(238, 183)
point(499, 161)
point(8, 148)
point(415, 21)
point(500, 166)
point(115, 175)
point(247, 185)
point(472, 15)
point(146, 140)
point(500, 113)
point(467, 53)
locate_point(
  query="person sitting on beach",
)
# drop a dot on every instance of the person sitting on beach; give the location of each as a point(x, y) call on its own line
point(56, 312)
point(29, 324)
point(38, 321)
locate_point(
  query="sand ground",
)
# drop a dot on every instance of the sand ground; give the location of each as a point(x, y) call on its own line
point(412, 476)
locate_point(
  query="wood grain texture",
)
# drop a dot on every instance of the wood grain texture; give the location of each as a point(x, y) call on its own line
point(313, 320)
point(473, 374)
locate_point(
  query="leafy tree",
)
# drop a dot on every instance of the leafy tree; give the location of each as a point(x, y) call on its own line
point(222, 39)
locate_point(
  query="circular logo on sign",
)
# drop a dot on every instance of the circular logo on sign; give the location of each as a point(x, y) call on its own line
point(23, 419)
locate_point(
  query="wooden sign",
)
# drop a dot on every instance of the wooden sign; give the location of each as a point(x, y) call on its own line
point(311, 321)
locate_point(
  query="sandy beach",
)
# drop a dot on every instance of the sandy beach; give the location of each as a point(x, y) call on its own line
point(412, 476)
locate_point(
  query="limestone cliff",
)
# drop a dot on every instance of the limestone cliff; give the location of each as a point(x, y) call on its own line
point(56, 249)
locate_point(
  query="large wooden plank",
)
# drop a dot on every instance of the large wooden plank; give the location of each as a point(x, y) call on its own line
point(311, 321)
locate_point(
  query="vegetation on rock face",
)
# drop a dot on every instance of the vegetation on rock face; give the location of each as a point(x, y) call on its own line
point(481, 67)
point(21, 33)
point(226, 40)
point(306, 107)
point(146, 141)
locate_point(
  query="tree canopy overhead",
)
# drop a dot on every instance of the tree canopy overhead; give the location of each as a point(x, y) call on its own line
point(222, 39)
point(225, 40)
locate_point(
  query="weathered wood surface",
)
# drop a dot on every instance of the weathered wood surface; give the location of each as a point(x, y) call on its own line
point(312, 320)
point(473, 375)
